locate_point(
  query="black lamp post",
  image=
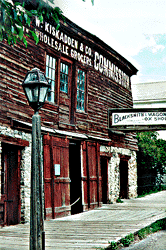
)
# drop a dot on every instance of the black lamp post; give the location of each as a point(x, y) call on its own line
point(35, 86)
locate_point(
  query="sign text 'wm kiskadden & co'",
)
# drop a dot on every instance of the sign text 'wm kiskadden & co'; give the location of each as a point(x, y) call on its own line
point(82, 52)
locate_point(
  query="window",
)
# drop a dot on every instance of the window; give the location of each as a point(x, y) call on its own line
point(64, 77)
point(81, 90)
point(50, 74)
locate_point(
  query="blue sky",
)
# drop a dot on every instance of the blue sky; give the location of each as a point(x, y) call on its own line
point(152, 59)
point(134, 28)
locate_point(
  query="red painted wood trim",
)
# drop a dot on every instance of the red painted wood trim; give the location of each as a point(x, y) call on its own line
point(14, 141)
point(52, 178)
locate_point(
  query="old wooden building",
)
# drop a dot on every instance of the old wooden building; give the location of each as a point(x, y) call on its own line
point(85, 164)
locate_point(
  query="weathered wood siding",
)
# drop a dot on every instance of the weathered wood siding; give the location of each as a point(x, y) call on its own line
point(102, 93)
point(14, 64)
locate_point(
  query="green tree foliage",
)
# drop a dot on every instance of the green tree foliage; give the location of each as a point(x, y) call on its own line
point(15, 15)
point(151, 157)
point(92, 1)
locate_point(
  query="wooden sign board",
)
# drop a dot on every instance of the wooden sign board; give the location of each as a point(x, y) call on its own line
point(137, 119)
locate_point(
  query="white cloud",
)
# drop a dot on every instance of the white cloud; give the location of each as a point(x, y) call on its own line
point(151, 43)
point(121, 24)
point(125, 25)
point(156, 48)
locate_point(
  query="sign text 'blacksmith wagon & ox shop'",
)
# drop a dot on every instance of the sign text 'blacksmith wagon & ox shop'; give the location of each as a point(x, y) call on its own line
point(122, 118)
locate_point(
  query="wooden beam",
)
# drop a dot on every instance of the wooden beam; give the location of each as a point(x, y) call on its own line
point(14, 141)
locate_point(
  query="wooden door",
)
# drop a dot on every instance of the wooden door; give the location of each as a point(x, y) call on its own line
point(57, 187)
point(94, 174)
point(123, 179)
point(104, 176)
point(11, 184)
point(75, 177)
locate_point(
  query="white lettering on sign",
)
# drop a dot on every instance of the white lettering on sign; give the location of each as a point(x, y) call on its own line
point(138, 118)
point(81, 52)
point(61, 36)
point(81, 58)
point(108, 69)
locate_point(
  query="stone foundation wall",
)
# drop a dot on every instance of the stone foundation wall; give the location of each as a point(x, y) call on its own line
point(132, 168)
point(25, 169)
point(113, 177)
point(25, 184)
point(114, 155)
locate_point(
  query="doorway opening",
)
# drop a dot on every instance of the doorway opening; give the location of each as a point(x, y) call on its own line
point(75, 177)
point(123, 167)
point(104, 176)
point(10, 184)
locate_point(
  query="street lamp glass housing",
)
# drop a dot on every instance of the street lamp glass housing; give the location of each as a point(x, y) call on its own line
point(35, 86)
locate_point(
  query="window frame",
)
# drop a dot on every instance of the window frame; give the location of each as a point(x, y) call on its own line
point(85, 90)
point(49, 78)
point(69, 64)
